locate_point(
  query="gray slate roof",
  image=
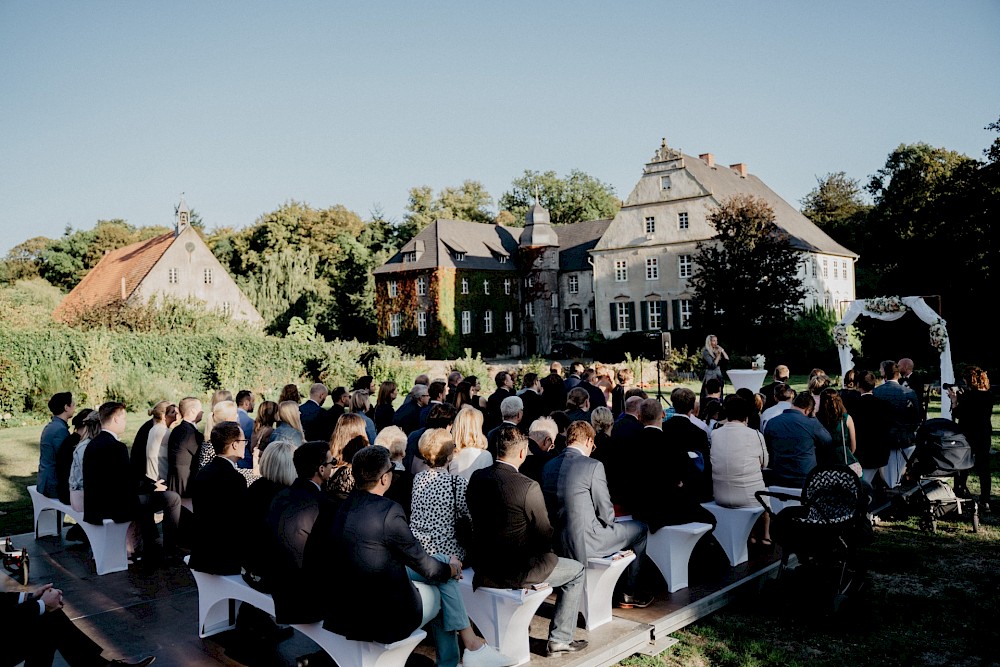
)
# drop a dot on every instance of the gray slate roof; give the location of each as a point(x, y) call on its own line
point(482, 243)
point(576, 241)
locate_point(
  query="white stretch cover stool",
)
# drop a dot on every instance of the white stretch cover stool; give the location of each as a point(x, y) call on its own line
point(778, 505)
point(733, 528)
point(599, 591)
point(503, 615)
point(670, 550)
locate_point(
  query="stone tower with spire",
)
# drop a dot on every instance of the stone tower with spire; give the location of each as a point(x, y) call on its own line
point(539, 262)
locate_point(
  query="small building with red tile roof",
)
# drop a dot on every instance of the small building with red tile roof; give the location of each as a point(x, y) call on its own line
point(177, 264)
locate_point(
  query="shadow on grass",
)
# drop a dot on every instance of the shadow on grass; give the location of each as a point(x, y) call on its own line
point(17, 517)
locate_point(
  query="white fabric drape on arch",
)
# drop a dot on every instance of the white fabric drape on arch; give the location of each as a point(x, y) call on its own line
point(926, 315)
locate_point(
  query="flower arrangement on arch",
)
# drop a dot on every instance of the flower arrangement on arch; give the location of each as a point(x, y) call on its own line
point(939, 335)
point(840, 336)
point(885, 304)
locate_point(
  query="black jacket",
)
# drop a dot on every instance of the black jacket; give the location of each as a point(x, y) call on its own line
point(110, 487)
point(182, 455)
point(220, 498)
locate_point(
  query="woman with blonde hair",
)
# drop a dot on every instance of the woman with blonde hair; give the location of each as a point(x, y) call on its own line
point(713, 355)
point(289, 426)
point(470, 443)
point(360, 405)
point(348, 427)
point(210, 420)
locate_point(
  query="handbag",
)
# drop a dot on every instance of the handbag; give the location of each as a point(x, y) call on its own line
point(463, 523)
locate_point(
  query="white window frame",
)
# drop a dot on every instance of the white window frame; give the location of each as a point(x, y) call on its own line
point(574, 284)
point(664, 182)
point(393, 289)
point(488, 322)
point(421, 286)
point(465, 285)
point(685, 312)
point(409, 256)
point(466, 322)
point(654, 309)
point(508, 320)
point(621, 271)
point(207, 276)
point(685, 266)
point(621, 315)
point(395, 324)
point(574, 319)
point(459, 256)
point(486, 286)
point(683, 220)
point(173, 276)
point(650, 224)
point(506, 285)
point(421, 323)
point(826, 269)
point(652, 268)
point(227, 309)
point(529, 309)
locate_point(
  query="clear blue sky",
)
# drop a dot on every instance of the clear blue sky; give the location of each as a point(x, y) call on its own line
point(111, 109)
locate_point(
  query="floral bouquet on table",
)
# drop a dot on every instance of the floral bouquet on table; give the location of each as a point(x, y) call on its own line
point(758, 362)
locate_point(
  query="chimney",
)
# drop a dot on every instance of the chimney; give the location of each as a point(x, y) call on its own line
point(708, 158)
point(740, 168)
point(123, 289)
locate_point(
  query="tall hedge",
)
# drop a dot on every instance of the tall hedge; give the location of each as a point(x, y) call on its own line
point(142, 368)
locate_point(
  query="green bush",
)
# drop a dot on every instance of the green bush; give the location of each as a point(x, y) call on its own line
point(469, 365)
point(142, 368)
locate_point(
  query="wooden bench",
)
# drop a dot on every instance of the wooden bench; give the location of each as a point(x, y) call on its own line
point(670, 549)
point(218, 600)
point(108, 541)
point(733, 528)
point(602, 575)
point(503, 615)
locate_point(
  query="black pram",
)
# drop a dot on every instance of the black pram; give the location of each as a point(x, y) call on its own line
point(942, 451)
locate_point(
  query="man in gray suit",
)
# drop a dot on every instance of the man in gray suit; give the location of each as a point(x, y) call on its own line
point(575, 487)
point(904, 420)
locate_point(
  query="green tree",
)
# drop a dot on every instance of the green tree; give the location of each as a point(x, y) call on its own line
point(746, 274)
point(24, 260)
point(575, 198)
point(837, 206)
point(470, 202)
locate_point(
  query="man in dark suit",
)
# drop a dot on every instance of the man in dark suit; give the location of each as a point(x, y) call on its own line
point(290, 521)
point(512, 411)
point(35, 627)
point(781, 375)
point(663, 474)
point(112, 488)
point(512, 541)
point(914, 380)
point(368, 543)
point(408, 415)
point(505, 389)
point(792, 440)
point(531, 397)
point(435, 394)
point(311, 412)
point(218, 494)
point(542, 436)
point(617, 458)
point(680, 431)
point(589, 381)
point(579, 505)
point(182, 447)
point(871, 427)
point(904, 420)
point(573, 379)
point(553, 389)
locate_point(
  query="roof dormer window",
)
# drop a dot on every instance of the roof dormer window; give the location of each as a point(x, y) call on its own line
point(459, 256)
point(409, 257)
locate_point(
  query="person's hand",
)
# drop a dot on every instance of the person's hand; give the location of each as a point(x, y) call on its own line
point(159, 486)
point(456, 568)
point(52, 599)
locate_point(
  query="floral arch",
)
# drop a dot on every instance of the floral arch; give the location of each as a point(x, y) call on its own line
point(889, 309)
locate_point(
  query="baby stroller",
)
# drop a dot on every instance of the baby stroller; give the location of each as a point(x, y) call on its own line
point(942, 451)
point(824, 533)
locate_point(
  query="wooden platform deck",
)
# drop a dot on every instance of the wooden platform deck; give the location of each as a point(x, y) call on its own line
point(133, 614)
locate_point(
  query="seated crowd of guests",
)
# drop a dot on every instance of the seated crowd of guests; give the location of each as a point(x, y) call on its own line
point(563, 470)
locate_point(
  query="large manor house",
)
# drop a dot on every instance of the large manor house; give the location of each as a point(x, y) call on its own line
point(510, 291)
